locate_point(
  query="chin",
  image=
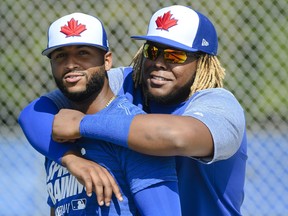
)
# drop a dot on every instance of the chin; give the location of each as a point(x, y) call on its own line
point(157, 97)
point(157, 92)
point(75, 90)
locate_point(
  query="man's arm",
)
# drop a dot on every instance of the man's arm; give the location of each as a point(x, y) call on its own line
point(93, 176)
point(153, 134)
point(169, 135)
point(160, 199)
point(36, 122)
point(211, 128)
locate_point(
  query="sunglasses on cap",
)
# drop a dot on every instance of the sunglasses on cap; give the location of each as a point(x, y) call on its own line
point(170, 55)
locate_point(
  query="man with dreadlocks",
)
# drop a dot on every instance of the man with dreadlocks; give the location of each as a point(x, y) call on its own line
point(175, 72)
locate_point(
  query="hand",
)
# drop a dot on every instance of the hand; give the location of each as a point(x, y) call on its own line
point(93, 176)
point(66, 125)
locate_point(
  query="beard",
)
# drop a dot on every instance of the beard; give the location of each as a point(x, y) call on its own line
point(93, 87)
point(174, 97)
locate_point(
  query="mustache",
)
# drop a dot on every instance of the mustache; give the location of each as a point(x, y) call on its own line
point(95, 69)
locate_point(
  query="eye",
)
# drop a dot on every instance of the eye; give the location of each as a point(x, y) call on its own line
point(83, 52)
point(58, 56)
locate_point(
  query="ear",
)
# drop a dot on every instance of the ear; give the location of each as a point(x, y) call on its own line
point(108, 61)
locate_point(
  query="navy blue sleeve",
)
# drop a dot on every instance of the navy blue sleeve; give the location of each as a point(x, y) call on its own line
point(36, 121)
point(160, 199)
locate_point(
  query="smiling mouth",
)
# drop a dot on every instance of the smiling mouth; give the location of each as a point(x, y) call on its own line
point(158, 81)
point(158, 78)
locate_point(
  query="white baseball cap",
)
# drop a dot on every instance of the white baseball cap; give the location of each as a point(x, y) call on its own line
point(183, 28)
point(76, 29)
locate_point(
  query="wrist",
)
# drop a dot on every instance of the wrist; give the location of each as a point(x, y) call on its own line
point(69, 157)
point(110, 128)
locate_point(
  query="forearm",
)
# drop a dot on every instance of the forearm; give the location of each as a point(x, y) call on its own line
point(153, 134)
point(170, 135)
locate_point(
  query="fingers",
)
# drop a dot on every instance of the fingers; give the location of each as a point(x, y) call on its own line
point(104, 189)
point(59, 140)
point(94, 177)
point(63, 140)
point(88, 185)
point(66, 125)
point(113, 189)
point(98, 189)
point(99, 180)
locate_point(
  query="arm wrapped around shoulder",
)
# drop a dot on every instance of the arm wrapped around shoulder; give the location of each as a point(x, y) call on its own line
point(109, 128)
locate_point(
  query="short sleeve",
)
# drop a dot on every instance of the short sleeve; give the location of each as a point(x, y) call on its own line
point(220, 111)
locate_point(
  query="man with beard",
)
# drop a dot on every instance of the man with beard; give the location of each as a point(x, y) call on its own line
point(80, 57)
point(177, 72)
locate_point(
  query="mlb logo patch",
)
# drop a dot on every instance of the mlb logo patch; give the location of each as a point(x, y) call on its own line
point(78, 204)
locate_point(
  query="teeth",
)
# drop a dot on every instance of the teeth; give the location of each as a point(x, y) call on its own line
point(159, 78)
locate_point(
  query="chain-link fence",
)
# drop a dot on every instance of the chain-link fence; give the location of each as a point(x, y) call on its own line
point(252, 47)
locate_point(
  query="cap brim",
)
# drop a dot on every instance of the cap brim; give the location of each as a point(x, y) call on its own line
point(49, 50)
point(165, 41)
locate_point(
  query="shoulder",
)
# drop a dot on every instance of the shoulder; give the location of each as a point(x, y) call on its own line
point(215, 105)
point(117, 76)
point(121, 105)
point(221, 112)
point(58, 99)
point(215, 92)
point(40, 105)
point(119, 73)
point(215, 98)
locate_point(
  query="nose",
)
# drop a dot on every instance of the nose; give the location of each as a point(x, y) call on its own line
point(71, 63)
point(159, 61)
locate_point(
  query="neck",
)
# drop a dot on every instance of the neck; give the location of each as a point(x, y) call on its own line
point(95, 103)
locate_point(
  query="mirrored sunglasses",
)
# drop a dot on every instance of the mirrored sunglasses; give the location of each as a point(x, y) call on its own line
point(170, 55)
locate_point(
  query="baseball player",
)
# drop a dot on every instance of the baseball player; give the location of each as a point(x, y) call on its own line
point(176, 72)
point(79, 56)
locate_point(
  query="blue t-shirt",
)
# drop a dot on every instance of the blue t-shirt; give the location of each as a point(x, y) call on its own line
point(207, 186)
point(133, 172)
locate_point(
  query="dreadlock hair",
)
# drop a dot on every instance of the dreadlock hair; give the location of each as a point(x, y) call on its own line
point(209, 72)
point(137, 62)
